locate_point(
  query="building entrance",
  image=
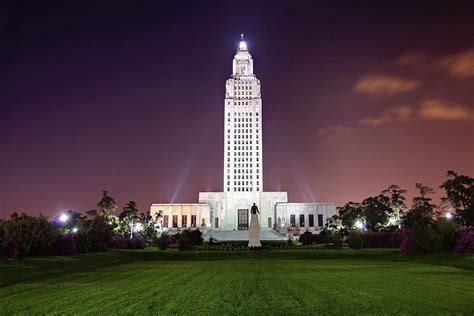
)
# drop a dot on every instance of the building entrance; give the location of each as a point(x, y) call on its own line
point(243, 219)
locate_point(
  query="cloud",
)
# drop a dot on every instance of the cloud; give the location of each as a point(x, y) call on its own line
point(412, 59)
point(385, 85)
point(335, 134)
point(437, 109)
point(397, 114)
point(459, 65)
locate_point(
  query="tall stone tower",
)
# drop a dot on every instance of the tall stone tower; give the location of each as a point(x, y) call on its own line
point(243, 159)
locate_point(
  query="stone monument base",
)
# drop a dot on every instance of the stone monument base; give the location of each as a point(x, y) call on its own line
point(254, 232)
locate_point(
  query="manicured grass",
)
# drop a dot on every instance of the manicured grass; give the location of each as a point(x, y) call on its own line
point(245, 282)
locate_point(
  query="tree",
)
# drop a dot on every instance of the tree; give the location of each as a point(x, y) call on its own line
point(422, 210)
point(375, 211)
point(349, 214)
point(460, 194)
point(397, 204)
point(106, 205)
point(127, 219)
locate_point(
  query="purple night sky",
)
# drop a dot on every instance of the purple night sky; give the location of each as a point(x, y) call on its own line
point(129, 97)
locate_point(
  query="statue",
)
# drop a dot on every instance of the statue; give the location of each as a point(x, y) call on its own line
point(254, 209)
point(254, 231)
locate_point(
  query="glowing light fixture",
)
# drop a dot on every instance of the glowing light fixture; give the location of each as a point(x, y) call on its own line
point(359, 224)
point(63, 218)
point(242, 44)
point(75, 230)
point(449, 215)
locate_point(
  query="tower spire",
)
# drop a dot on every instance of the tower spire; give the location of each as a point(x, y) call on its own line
point(242, 36)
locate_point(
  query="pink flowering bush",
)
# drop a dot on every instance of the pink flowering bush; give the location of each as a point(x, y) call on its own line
point(120, 242)
point(465, 242)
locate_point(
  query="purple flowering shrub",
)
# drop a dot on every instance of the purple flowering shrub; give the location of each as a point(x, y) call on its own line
point(120, 242)
point(465, 242)
point(63, 245)
point(136, 243)
point(382, 239)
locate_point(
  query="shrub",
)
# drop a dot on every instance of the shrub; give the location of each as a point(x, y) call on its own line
point(8, 249)
point(119, 242)
point(196, 237)
point(381, 239)
point(163, 241)
point(337, 241)
point(465, 242)
point(426, 238)
point(183, 241)
point(430, 237)
point(31, 235)
point(355, 240)
point(320, 238)
point(63, 245)
point(173, 239)
point(448, 232)
point(306, 238)
point(135, 243)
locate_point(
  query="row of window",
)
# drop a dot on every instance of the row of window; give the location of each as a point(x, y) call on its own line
point(243, 189)
point(184, 221)
point(242, 113)
point(310, 220)
point(243, 136)
point(242, 119)
point(243, 148)
point(239, 153)
point(243, 183)
point(240, 170)
point(238, 142)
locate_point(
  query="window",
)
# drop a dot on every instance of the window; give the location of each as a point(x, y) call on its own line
point(175, 221)
point(320, 220)
point(165, 221)
point(292, 220)
point(301, 220)
point(269, 222)
point(311, 220)
point(216, 222)
point(184, 221)
point(193, 220)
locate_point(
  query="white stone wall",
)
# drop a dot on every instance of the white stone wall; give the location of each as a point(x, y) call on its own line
point(201, 210)
point(283, 211)
point(224, 206)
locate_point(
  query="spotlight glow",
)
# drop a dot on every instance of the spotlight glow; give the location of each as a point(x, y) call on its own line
point(449, 215)
point(75, 230)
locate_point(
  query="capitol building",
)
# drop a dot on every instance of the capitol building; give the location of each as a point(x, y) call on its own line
point(243, 171)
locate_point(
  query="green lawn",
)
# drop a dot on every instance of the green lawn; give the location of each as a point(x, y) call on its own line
point(239, 282)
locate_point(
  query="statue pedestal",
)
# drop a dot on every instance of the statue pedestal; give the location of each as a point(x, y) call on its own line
point(254, 232)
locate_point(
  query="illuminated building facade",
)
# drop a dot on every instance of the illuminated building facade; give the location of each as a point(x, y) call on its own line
point(243, 170)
